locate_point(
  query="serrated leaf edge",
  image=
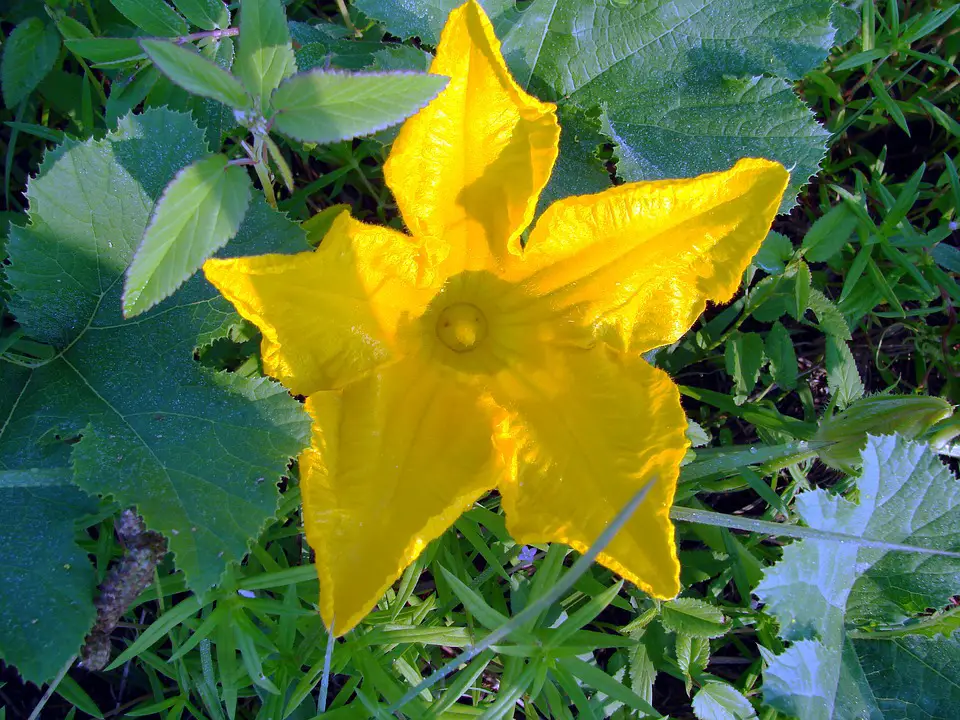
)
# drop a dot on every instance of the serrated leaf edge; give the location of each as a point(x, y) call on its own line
point(367, 73)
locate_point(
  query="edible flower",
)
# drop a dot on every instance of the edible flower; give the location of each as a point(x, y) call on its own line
point(458, 359)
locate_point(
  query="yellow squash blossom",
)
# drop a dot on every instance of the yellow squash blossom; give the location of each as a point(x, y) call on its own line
point(457, 359)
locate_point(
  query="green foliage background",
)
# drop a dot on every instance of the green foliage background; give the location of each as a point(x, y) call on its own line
point(821, 566)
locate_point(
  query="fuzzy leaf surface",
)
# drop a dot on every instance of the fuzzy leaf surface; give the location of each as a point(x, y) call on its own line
point(683, 87)
point(200, 211)
point(46, 582)
point(325, 107)
point(198, 452)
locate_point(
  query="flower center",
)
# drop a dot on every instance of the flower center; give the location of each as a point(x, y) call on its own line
point(461, 327)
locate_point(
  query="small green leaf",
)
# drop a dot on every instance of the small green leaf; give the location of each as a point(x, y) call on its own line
point(947, 257)
point(198, 452)
point(886, 289)
point(154, 17)
point(319, 225)
point(882, 95)
point(28, 55)
point(195, 74)
point(717, 700)
point(325, 107)
point(200, 211)
point(822, 587)
point(829, 317)
point(107, 50)
point(943, 119)
point(774, 253)
point(207, 14)
point(909, 193)
point(70, 29)
point(693, 654)
point(693, 617)
point(744, 357)
point(265, 55)
point(843, 378)
point(473, 602)
point(783, 358)
point(831, 231)
point(46, 581)
point(126, 94)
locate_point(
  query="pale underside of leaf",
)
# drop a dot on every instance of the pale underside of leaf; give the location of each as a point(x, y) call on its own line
point(822, 588)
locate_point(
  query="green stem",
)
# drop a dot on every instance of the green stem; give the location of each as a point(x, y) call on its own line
point(263, 172)
point(215, 34)
point(765, 527)
point(91, 16)
point(51, 688)
point(931, 623)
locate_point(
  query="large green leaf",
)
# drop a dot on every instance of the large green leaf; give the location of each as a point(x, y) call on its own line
point(326, 107)
point(46, 581)
point(822, 588)
point(199, 453)
point(200, 211)
point(683, 86)
point(902, 677)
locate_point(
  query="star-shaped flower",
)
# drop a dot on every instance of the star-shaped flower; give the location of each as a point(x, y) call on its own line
point(456, 360)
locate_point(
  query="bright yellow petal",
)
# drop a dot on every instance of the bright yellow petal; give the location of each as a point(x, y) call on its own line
point(395, 459)
point(468, 169)
point(586, 430)
point(642, 259)
point(330, 316)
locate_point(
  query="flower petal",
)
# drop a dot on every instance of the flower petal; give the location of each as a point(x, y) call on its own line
point(586, 430)
point(330, 316)
point(642, 259)
point(468, 169)
point(395, 459)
